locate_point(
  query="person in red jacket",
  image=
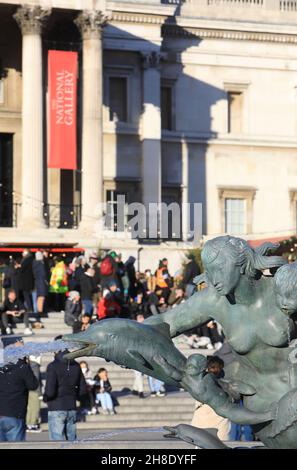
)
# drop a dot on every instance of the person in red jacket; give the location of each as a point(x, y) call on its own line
point(108, 307)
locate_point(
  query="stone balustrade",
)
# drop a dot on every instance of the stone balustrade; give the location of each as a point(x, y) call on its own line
point(278, 11)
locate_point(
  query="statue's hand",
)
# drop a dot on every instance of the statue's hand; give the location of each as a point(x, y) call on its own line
point(168, 368)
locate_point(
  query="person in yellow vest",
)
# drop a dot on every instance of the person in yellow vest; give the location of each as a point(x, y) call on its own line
point(59, 284)
point(58, 281)
point(163, 279)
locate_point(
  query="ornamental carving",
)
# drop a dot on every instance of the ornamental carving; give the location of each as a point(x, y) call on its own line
point(31, 19)
point(91, 22)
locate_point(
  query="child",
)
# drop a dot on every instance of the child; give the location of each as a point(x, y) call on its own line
point(88, 403)
point(102, 391)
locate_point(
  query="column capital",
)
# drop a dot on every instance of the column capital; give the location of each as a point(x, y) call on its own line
point(31, 18)
point(90, 23)
point(152, 59)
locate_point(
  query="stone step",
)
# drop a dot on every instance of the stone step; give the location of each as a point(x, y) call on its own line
point(172, 400)
point(152, 408)
point(158, 404)
point(109, 423)
point(118, 387)
point(123, 415)
point(146, 409)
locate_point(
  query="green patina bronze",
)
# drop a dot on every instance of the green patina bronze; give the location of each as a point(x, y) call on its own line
point(258, 314)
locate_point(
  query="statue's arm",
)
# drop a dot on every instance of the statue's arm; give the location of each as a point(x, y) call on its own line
point(220, 402)
point(198, 309)
point(244, 416)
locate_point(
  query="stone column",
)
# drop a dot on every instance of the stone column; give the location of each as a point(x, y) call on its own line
point(30, 20)
point(90, 24)
point(151, 135)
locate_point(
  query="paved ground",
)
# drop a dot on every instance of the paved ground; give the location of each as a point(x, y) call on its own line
point(139, 438)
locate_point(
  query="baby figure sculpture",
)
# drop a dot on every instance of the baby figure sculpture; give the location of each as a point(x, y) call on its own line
point(258, 314)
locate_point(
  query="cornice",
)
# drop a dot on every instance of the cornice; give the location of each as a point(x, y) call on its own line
point(173, 30)
point(208, 33)
point(225, 140)
point(126, 17)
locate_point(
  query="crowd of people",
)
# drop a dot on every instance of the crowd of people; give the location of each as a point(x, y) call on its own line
point(86, 291)
point(92, 289)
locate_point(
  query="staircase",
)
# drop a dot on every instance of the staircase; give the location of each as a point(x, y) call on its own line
point(132, 412)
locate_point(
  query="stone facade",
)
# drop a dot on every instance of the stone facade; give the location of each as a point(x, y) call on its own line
point(207, 113)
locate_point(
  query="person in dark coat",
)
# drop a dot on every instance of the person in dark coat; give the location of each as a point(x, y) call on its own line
point(26, 279)
point(65, 384)
point(16, 380)
point(94, 264)
point(83, 324)
point(8, 275)
point(130, 269)
point(15, 281)
point(190, 272)
point(41, 283)
point(47, 266)
point(87, 289)
point(12, 277)
point(81, 268)
point(13, 311)
point(120, 271)
point(73, 309)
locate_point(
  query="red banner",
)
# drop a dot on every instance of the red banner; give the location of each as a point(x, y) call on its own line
point(62, 100)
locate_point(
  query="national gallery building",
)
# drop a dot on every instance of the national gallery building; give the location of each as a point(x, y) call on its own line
point(169, 101)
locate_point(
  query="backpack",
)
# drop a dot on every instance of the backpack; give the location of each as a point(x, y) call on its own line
point(106, 268)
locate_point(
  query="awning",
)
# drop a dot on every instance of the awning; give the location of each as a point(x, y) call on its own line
point(51, 247)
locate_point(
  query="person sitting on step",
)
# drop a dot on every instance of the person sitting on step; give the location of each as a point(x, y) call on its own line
point(102, 392)
point(14, 312)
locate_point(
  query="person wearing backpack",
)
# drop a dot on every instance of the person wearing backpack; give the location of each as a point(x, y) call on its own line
point(108, 305)
point(65, 385)
point(108, 270)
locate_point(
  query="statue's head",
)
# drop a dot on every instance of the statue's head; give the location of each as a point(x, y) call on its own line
point(227, 258)
point(285, 288)
point(196, 364)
